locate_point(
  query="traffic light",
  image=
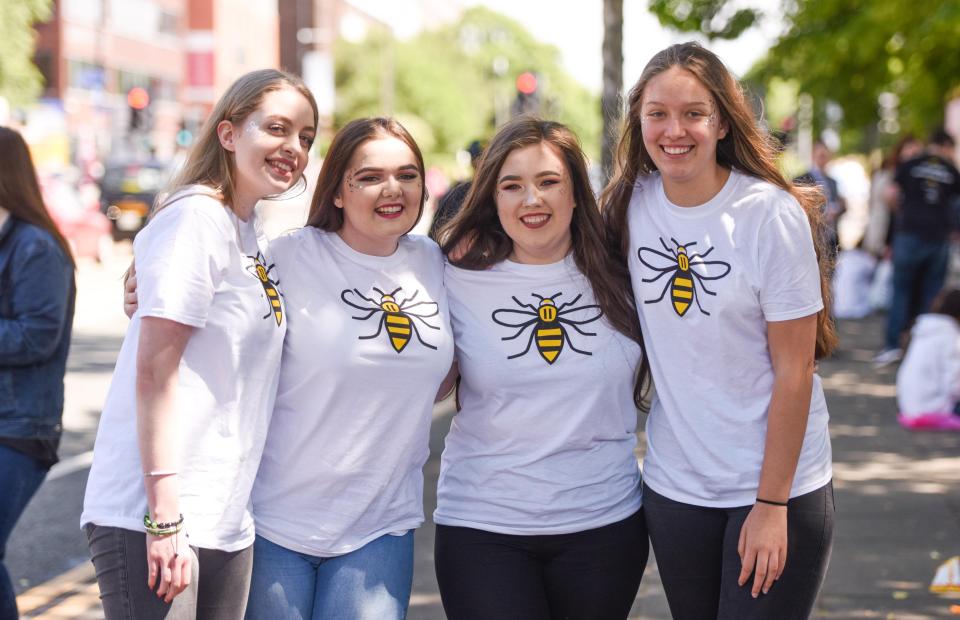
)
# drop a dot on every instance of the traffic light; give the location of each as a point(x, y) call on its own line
point(138, 99)
point(528, 99)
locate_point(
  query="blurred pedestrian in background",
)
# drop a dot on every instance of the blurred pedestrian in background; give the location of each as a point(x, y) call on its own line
point(852, 277)
point(728, 268)
point(835, 205)
point(186, 417)
point(928, 381)
point(924, 190)
point(880, 226)
point(37, 294)
point(450, 203)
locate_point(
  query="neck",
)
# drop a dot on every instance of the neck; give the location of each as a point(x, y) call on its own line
point(696, 194)
point(4, 216)
point(546, 257)
point(369, 245)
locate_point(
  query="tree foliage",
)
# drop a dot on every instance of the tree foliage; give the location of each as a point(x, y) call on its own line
point(716, 19)
point(851, 51)
point(20, 81)
point(445, 83)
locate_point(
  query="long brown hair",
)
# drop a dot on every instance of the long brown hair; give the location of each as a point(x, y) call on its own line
point(19, 190)
point(746, 148)
point(210, 164)
point(478, 226)
point(323, 213)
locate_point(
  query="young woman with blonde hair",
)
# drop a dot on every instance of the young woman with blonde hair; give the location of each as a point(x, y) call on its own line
point(733, 302)
point(185, 420)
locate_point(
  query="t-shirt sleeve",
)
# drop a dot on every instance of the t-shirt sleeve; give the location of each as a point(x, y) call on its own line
point(789, 273)
point(182, 262)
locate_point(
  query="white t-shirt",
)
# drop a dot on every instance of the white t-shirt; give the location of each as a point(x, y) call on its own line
point(928, 380)
point(344, 458)
point(852, 278)
point(544, 441)
point(707, 279)
point(197, 264)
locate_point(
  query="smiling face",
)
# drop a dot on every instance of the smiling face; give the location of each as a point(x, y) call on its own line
point(270, 146)
point(380, 195)
point(681, 127)
point(534, 198)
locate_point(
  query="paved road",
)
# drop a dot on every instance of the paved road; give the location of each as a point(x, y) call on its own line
point(898, 493)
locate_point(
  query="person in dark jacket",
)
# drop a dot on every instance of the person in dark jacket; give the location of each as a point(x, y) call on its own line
point(37, 293)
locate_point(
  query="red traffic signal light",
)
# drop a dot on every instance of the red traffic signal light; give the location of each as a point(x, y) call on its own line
point(138, 98)
point(527, 83)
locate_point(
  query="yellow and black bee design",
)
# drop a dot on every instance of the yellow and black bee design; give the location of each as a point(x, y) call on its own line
point(261, 271)
point(397, 315)
point(550, 324)
point(686, 272)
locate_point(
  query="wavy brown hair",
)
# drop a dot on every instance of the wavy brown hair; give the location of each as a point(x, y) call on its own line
point(323, 213)
point(19, 190)
point(746, 147)
point(210, 164)
point(478, 226)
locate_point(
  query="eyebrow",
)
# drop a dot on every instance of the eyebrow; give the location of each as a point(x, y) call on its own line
point(686, 104)
point(379, 169)
point(280, 117)
point(516, 177)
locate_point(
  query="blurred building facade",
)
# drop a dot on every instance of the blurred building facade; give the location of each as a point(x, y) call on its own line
point(183, 53)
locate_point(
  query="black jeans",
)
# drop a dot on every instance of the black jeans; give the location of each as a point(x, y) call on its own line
point(589, 575)
point(696, 551)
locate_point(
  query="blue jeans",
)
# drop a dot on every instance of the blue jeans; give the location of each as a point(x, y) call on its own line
point(919, 271)
point(20, 477)
point(371, 583)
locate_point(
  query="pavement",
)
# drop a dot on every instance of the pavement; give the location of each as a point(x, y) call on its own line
point(897, 492)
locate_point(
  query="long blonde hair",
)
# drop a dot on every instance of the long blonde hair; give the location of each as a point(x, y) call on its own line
point(746, 148)
point(211, 165)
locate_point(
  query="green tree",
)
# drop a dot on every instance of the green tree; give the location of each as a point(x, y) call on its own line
point(20, 81)
point(451, 85)
point(850, 52)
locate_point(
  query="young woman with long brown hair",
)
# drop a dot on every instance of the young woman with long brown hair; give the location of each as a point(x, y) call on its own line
point(538, 505)
point(36, 316)
point(724, 256)
point(185, 421)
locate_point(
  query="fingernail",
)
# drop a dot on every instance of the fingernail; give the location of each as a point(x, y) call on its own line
point(765, 590)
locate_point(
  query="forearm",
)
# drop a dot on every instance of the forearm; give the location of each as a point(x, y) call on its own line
point(786, 426)
point(158, 361)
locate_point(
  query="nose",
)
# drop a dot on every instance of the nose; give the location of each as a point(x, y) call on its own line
point(391, 186)
point(531, 196)
point(673, 127)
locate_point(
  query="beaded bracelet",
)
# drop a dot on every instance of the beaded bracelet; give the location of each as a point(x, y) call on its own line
point(161, 529)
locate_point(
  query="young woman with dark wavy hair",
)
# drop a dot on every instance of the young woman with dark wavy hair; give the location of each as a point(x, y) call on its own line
point(538, 505)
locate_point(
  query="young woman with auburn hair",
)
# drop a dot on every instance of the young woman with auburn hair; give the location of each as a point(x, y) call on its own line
point(731, 291)
point(185, 420)
point(36, 316)
point(538, 505)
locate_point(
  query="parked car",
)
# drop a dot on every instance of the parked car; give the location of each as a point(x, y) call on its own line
point(127, 192)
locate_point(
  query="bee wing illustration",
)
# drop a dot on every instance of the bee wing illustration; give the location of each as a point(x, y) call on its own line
point(424, 309)
point(361, 303)
point(710, 269)
point(509, 317)
point(656, 260)
point(581, 314)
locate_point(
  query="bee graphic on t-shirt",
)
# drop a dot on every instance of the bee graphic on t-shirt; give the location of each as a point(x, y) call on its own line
point(550, 324)
point(686, 271)
point(398, 315)
point(261, 271)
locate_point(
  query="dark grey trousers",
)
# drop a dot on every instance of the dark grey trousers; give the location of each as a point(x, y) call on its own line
point(696, 551)
point(218, 589)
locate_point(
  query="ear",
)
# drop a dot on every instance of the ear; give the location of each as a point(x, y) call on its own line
point(337, 202)
point(724, 129)
point(228, 135)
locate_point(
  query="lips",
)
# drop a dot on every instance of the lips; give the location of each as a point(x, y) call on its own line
point(390, 211)
point(281, 167)
point(677, 150)
point(535, 220)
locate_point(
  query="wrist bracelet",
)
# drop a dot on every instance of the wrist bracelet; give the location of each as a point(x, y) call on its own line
point(772, 503)
point(160, 472)
point(161, 529)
